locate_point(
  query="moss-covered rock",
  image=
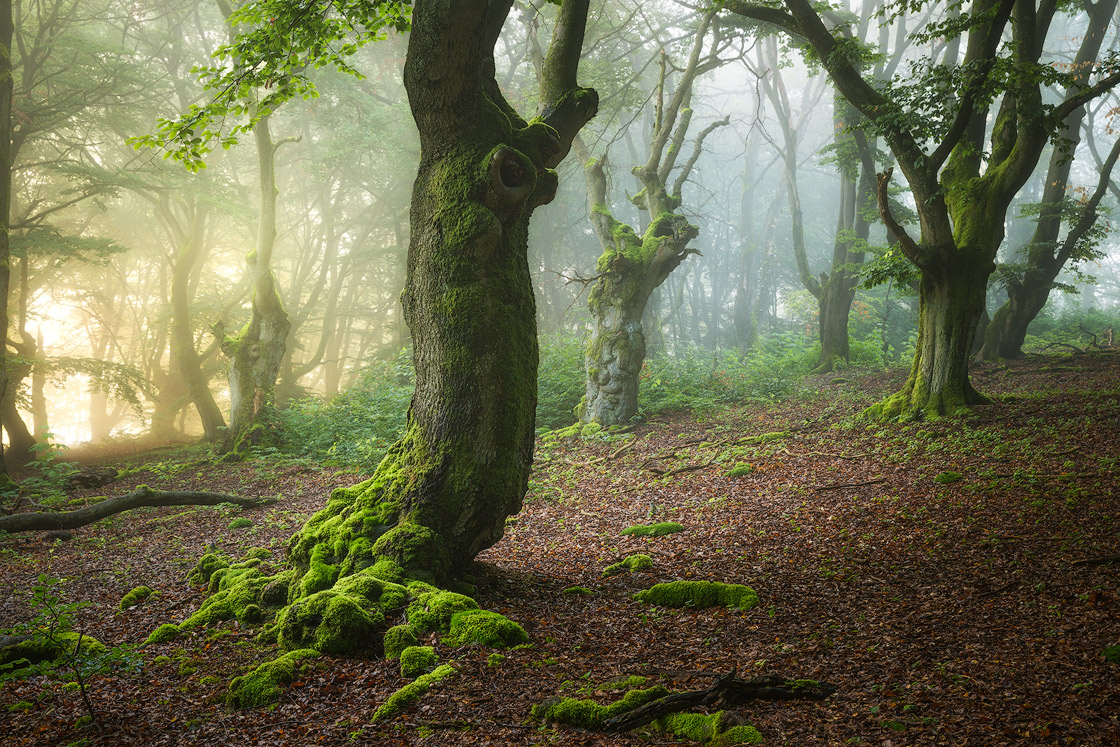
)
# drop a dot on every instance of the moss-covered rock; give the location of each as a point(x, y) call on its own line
point(587, 714)
point(1112, 654)
point(136, 596)
point(629, 564)
point(417, 660)
point(947, 477)
point(411, 693)
point(330, 622)
point(265, 683)
point(707, 729)
point(163, 634)
point(580, 590)
point(653, 530)
point(486, 628)
point(51, 645)
point(699, 594)
point(207, 564)
point(740, 470)
point(431, 611)
point(397, 639)
point(241, 522)
point(259, 553)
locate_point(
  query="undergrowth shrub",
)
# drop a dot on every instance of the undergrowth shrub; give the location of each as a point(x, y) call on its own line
point(1052, 330)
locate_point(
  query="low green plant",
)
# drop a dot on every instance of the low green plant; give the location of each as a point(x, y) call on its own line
point(50, 647)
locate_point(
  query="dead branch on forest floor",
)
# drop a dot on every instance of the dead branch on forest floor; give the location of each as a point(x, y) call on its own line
point(840, 486)
point(142, 497)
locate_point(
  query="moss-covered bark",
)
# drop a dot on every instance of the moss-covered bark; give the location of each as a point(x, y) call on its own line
point(6, 32)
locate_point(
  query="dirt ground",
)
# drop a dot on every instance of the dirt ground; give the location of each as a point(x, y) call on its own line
point(948, 577)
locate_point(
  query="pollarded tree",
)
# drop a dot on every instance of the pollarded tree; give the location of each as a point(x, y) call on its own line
point(963, 178)
point(633, 265)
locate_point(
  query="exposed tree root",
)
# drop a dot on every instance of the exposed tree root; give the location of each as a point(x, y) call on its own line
point(143, 496)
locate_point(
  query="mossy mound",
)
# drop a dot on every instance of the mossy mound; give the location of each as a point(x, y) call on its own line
point(397, 639)
point(947, 477)
point(417, 660)
point(629, 564)
point(588, 714)
point(330, 622)
point(431, 611)
point(1112, 654)
point(265, 683)
point(699, 594)
point(740, 470)
point(136, 596)
point(486, 628)
point(653, 530)
point(411, 693)
point(580, 590)
point(241, 522)
point(48, 647)
point(163, 634)
point(207, 564)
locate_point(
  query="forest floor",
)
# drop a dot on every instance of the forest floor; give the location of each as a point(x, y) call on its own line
point(948, 612)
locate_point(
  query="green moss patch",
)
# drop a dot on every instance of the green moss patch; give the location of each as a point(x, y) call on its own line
point(944, 477)
point(653, 530)
point(163, 634)
point(486, 628)
point(587, 714)
point(330, 622)
point(699, 594)
point(397, 639)
point(265, 683)
point(1112, 654)
point(41, 647)
point(708, 729)
point(411, 693)
point(207, 564)
point(629, 565)
point(582, 590)
point(740, 470)
point(241, 522)
point(432, 611)
point(417, 660)
point(136, 596)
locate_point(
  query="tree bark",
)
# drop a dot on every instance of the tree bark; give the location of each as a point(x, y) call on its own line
point(6, 87)
point(258, 350)
point(142, 496)
point(443, 492)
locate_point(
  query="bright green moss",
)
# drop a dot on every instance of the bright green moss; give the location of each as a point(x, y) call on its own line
point(259, 553)
point(707, 728)
point(417, 660)
point(320, 574)
point(330, 622)
point(163, 634)
point(237, 593)
point(740, 470)
point(264, 684)
point(431, 611)
point(583, 590)
point(387, 570)
point(699, 594)
point(136, 596)
point(737, 735)
point(653, 530)
point(630, 564)
point(946, 477)
point(1112, 654)
point(241, 522)
point(587, 714)
point(385, 594)
point(205, 568)
point(411, 693)
point(416, 549)
point(41, 647)
point(397, 639)
point(495, 659)
point(486, 628)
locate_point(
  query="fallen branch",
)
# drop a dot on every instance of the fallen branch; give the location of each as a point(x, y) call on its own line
point(141, 497)
point(876, 481)
point(1098, 561)
point(725, 690)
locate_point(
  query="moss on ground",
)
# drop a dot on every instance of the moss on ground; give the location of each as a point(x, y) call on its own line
point(431, 611)
point(265, 683)
point(581, 590)
point(653, 530)
point(397, 639)
point(699, 594)
point(136, 596)
point(588, 714)
point(411, 693)
point(486, 628)
point(44, 646)
point(629, 564)
point(1112, 654)
point(740, 470)
point(707, 729)
point(417, 660)
point(163, 634)
point(330, 622)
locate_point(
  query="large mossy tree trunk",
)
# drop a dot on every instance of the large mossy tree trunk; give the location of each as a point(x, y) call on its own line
point(443, 492)
point(632, 266)
point(257, 351)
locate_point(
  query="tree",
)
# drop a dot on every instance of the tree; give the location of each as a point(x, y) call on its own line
point(633, 265)
point(962, 187)
point(6, 88)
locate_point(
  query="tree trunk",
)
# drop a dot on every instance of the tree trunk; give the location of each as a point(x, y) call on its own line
point(951, 299)
point(443, 492)
point(184, 356)
point(258, 350)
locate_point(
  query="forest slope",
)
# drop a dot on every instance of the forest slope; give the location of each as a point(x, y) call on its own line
point(931, 571)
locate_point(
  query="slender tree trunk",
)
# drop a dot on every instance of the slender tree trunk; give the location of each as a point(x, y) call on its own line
point(184, 356)
point(258, 350)
point(6, 32)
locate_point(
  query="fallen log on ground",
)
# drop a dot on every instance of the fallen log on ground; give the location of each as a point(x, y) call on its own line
point(143, 496)
point(727, 690)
